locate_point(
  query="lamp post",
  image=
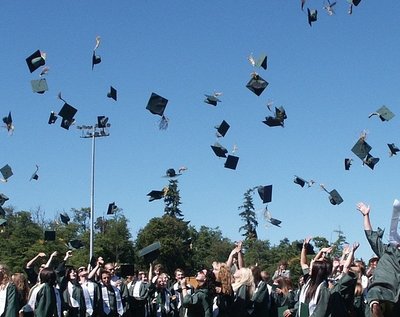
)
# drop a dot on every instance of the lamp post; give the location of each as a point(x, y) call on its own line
point(98, 130)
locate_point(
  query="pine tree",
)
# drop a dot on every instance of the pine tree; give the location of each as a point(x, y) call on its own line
point(172, 200)
point(248, 215)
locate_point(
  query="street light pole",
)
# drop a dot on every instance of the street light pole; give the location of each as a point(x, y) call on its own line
point(95, 131)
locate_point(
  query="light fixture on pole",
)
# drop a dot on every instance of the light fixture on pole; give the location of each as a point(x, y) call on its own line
point(94, 131)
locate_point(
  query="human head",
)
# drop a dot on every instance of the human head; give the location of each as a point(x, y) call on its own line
point(243, 276)
point(224, 277)
point(256, 273)
point(162, 280)
point(282, 265)
point(105, 277)
point(82, 273)
point(179, 274)
point(48, 276)
point(70, 274)
point(4, 274)
point(158, 269)
point(110, 267)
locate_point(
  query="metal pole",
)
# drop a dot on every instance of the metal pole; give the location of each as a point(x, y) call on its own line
point(92, 196)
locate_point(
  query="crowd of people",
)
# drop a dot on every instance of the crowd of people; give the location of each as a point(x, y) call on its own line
point(328, 287)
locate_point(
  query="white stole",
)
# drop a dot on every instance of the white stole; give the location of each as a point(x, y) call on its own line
point(394, 237)
point(106, 300)
point(3, 298)
point(73, 301)
point(313, 302)
point(88, 294)
point(30, 306)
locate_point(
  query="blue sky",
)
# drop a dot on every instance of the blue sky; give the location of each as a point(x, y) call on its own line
point(329, 78)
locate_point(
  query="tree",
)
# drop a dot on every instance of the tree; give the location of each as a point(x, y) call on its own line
point(248, 215)
point(174, 236)
point(82, 217)
point(172, 200)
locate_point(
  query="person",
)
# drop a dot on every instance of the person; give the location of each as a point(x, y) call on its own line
point(138, 291)
point(74, 299)
point(162, 301)
point(177, 291)
point(384, 289)
point(283, 294)
point(30, 270)
point(48, 299)
point(199, 303)
point(9, 304)
point(282, 270)
point(223, 289)
point(21, 283)
point(235, 259)
point(261, 297)
point(90, 291)
point(243, 288)
point(110, 300)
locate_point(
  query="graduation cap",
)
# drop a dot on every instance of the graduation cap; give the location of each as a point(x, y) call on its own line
point(64, 218)
point(301, 181)
point(356, 2)
point(347, 163)
point(370, 161)
point(262, 62)
point(113, 93)
point(52, 118)
point(96, 59)
point(278, 119)
point(126, 270)
point(3, 199)
point(49, 235)
point(393, 149)
point(309, 248)
point(39, 85)
point(112, 207)
point(75, 244)
point(171, 173)
point(329, 7)
point(3, 222)
point(361, 148)
point(312, 16)
point(36, 60)
point(67, 113)
point(219, 150)
point(212, 99)
point(383, 113)
point(102, 122)
point(265, 193)
point(151, 252)
point(231, 162)
point(156, 105)
point(156, 194)
point(8, 122)
point(222, 128)
point(275, 222)
point(35, 175)
point(334, 196)
point(6, 172)
point(257, 84)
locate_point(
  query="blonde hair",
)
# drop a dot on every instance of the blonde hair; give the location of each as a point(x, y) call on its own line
point(245, 278)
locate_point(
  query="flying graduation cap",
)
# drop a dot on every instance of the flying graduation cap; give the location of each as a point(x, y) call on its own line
point(312, 16)
point(212, 99)
point(222, 129)
point(96, 59)
point(361, 149)
point(6, 172)
point(151, 252)
point(329, 7)
point(265, 193)
point(370, 161)
point(35, 175)
point(231, 162)
point(75, 244)
point(272, 221)
point(157, 194)
point(347, 163)
point(67, 114)
point(64, 218)
point(112, 208)
point(257, 84)
point(278, 119)
point(39, 85)
point(3, 199)
point(219, 150)
point(383, 113)
point(260, 62)
point(156, 105)
point(334, 196)
point(9, 123)
point(353, 3)
point(301, 181)
point(52, 118)
point(36, 60)
point(112, 94)
point(393, 149)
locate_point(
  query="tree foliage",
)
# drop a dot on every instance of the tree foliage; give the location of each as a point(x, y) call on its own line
point(172, 200)
point(248, 216)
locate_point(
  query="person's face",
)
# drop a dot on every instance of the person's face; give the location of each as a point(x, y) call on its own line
point(282, 267)
point(83, 274)
point(106, 279)
point(72, 275)
point(179, 275)
point(161, 282)
point(200, 277)
point(373, 264)
point(110, 268)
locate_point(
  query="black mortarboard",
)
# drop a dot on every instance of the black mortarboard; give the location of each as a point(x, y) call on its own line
point(112, 207)
point(126, 270)
point(222, 128)
point(49, 235)
point(156, 104)
point(257, 84)
point(335, 198)
point(262, 62)
point(361, 148)
point(8, 121)
point(384, 113)
point(299, 181)
point(309, 248)
point(36, 60)
point(52, 118)
point(3, 199)
point(113, 93)
point(312, 16)
point(155, 195)
point(93, 262)
point(231, 162)
point(275, 222)
point(171, 173)
point(64, 218)
point(39, 85)
point(151, 252)
point(219, 150)
point(356, 2)
point(347, 163)
point(211, 100)
point(67, 112)
point(35, 175)
point(6, 172)
point(265, 193)
point(75, 244)
point(96, 59)
point(393, 149)
point(370, 161)
point(273, 122)
point(102, 122)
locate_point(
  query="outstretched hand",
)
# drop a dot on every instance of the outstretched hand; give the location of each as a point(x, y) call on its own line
point(363, 208)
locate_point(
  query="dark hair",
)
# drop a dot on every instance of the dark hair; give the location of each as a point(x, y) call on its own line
point(320, 271)
point(48, 276)
point(68, 272)
point(256, 274)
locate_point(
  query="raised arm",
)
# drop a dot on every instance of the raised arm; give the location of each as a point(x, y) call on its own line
point(54, 254)
point(303, 254)
point(364, 209)
point(240, 255)
point(350, 258)
point(30, 263)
